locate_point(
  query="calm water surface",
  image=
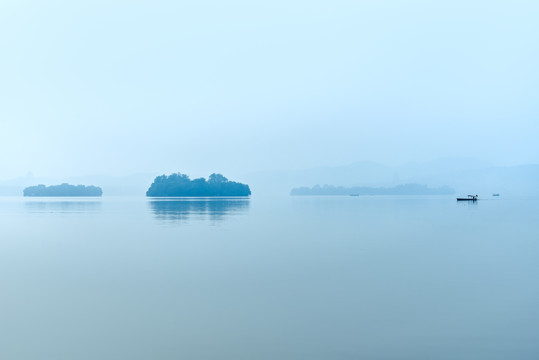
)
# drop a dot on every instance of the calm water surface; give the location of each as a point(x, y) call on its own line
point(285, 278)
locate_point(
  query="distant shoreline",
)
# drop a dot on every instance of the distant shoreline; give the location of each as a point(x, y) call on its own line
point(63, 190)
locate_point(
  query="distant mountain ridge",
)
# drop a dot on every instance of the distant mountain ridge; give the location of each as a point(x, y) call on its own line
point(464, 175)
point(129, 185)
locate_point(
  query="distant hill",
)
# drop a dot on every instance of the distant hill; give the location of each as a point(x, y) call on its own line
point(128, 185)
point(406, 189)
point(180, 185)
point(62, 190)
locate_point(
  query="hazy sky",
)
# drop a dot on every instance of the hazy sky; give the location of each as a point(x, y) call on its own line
point(118, 87)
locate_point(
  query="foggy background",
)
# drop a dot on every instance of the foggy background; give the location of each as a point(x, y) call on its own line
point(283, 93)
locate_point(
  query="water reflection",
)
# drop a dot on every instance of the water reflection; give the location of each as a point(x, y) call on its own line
point(467, 203)
point(62, 206)
point(184, 209)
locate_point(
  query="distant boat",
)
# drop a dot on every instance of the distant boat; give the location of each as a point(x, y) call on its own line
point(469, 198)
point(495, 194)
point(354, 194)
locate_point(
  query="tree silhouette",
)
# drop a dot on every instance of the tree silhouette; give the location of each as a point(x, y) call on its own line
point(62, 190)
point(180, 185)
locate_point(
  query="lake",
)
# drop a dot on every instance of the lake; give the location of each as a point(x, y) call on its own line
point(374, 277)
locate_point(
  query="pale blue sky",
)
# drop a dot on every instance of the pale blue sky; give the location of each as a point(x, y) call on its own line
point(118, 87)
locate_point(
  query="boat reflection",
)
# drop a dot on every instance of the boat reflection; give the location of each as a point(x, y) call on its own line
point(63, 206)
point(184, 209)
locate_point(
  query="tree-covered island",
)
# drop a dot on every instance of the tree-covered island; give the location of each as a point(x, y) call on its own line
point(62, 190)
point(405, 189)
point(180, 185)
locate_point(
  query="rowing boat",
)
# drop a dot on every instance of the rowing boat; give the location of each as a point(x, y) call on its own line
point(469, 198)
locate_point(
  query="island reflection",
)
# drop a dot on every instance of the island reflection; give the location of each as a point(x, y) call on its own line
point(184, 209)
point(62, 206)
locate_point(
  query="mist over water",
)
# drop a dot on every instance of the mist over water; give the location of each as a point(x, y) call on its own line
point(382, 277)
point(349, 97)
point(62, 206)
